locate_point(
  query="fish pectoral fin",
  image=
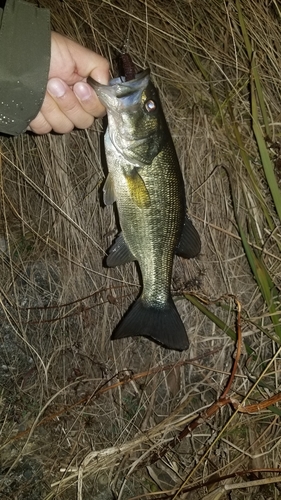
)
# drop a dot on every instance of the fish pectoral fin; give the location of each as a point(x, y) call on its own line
point(190, 244)
point(137, 188)
point(108, 191)
point(119, 253)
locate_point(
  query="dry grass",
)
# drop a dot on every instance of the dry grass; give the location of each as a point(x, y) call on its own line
point(82, 417)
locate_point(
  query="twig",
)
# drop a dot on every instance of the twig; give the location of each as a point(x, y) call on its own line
point(222, 401)
point(256, 407)
point(124, 379)
point(165, 495)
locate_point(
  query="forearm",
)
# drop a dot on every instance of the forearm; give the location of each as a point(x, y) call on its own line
point(24, 64)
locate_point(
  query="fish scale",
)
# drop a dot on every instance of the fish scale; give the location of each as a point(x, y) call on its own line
point(145, 181)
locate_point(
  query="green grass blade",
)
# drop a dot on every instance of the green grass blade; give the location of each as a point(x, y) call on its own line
point(256, 87)
point(207, 77)
point(249, 50)
point(263, 279)
point(250, 171)
point(265, 158)
point(215, 319)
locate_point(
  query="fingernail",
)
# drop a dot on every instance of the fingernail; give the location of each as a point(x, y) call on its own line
point(82, 91)
point(56, 87)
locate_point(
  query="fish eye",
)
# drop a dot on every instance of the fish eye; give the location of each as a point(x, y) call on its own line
point(150, 105)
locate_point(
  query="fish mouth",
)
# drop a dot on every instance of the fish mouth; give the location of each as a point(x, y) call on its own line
point(122, 99)
point(124, 88)
point(120, 93)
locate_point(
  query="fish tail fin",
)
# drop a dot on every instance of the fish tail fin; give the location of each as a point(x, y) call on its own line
point(161, 324)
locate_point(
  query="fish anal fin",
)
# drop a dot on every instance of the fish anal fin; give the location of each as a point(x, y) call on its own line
point(137, 188)
point(190, 244)
point(108, 191)
point(161, 324)
point(119, 253)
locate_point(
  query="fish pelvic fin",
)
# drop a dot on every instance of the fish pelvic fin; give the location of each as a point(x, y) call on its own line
point(109, 196)
point(160, 324)
point(119, 253)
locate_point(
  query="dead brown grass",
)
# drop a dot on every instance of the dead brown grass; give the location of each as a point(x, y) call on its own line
point(76, 420)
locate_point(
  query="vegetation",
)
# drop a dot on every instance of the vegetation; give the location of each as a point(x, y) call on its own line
point(82, 417)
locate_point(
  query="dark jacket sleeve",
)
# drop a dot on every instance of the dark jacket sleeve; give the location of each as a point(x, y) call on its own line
point(25, 40)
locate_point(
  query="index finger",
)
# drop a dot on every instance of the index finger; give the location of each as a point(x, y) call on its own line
point(88, 63)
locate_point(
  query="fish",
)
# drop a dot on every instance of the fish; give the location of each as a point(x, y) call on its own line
point(145, 180)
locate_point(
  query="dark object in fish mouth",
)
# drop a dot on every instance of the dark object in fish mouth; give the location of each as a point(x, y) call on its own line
point(126, 67)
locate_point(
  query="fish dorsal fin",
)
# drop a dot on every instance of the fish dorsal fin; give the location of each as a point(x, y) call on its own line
point(137, 188)
point(190, 244)
point(119, 253)
point(108, 191)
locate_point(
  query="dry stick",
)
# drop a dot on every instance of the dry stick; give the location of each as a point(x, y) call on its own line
point(248, 484)
point(188, 429)
point(226, 425)
point(258, 406)
point(237, 406)
point(158, 495)
point(222, 401)
point(79, 310)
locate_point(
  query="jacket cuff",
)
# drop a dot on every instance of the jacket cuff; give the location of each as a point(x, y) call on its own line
point(25, 41)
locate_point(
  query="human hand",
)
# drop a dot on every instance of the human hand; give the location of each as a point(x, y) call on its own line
point(69, 101)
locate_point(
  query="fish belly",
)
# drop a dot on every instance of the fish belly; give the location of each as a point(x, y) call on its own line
point(151, 233)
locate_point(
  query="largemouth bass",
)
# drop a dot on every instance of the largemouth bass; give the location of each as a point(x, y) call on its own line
point(146, 182)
